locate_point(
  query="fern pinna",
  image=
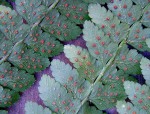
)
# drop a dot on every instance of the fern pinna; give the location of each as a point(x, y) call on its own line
point(138, 94)
point(31, 34)
point(96, 82)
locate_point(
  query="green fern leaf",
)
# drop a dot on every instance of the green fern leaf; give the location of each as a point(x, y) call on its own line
point(3, 112)
point(114, 77)
point(28, 36)
point(47, 2)
point(69, 78)
point(106, 96)
point(116, 85)
point(5, 45)
point(43, 43)
point(105, 20)
point(129, 61)
point(3, 8)
point(34, 108)
point(137, 37)
point(145, 19)
point(139, 95)
point(148, 42)
point(142, 3)
point(97, 1)
point(128, 108)
point(26, 59)
point(101, 16)
point(59, 26)
point(76, 10)
point(125, 10)
point(145, 66)
point(11, 25)
point(8, 97)
point(55, 96)
point(13, 78)
point(99, 46)
point(31, 11)
point(86, 109)
point(103, 48)
point(107, 37)
point(82, 60)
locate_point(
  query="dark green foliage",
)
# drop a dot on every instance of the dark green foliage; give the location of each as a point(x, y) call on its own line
point(3, 112)
point(129, 61)
point(126, 107)
point(31, 11)
point(36, 109)
point(27, 59)
point(43, 43)
point(7, 97)
point(57, 99)
point(101, 74)
point(75, 10)
point(145, 18)
point(145, 66)
point(86, 109)
point(5, 3)
point(59, 26)
point(97, 1)
point(82, 61)
point(138, 36)
point(73, 82)
point(105, 97)
point(139, 96)
point(13, 78)
point(126, 11)
point(28, 37)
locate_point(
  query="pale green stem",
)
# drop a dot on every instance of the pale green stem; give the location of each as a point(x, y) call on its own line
point(49, 9)
point(5, 57)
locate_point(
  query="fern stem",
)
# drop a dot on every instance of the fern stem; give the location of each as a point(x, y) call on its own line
point(111, 61)
point(53, 5)
point(5, 57)
point(49, 9)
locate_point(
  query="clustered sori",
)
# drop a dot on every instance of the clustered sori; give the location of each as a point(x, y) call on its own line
point(100, 77)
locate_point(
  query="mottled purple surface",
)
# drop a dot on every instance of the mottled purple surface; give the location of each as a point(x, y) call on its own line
point(112, 111)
